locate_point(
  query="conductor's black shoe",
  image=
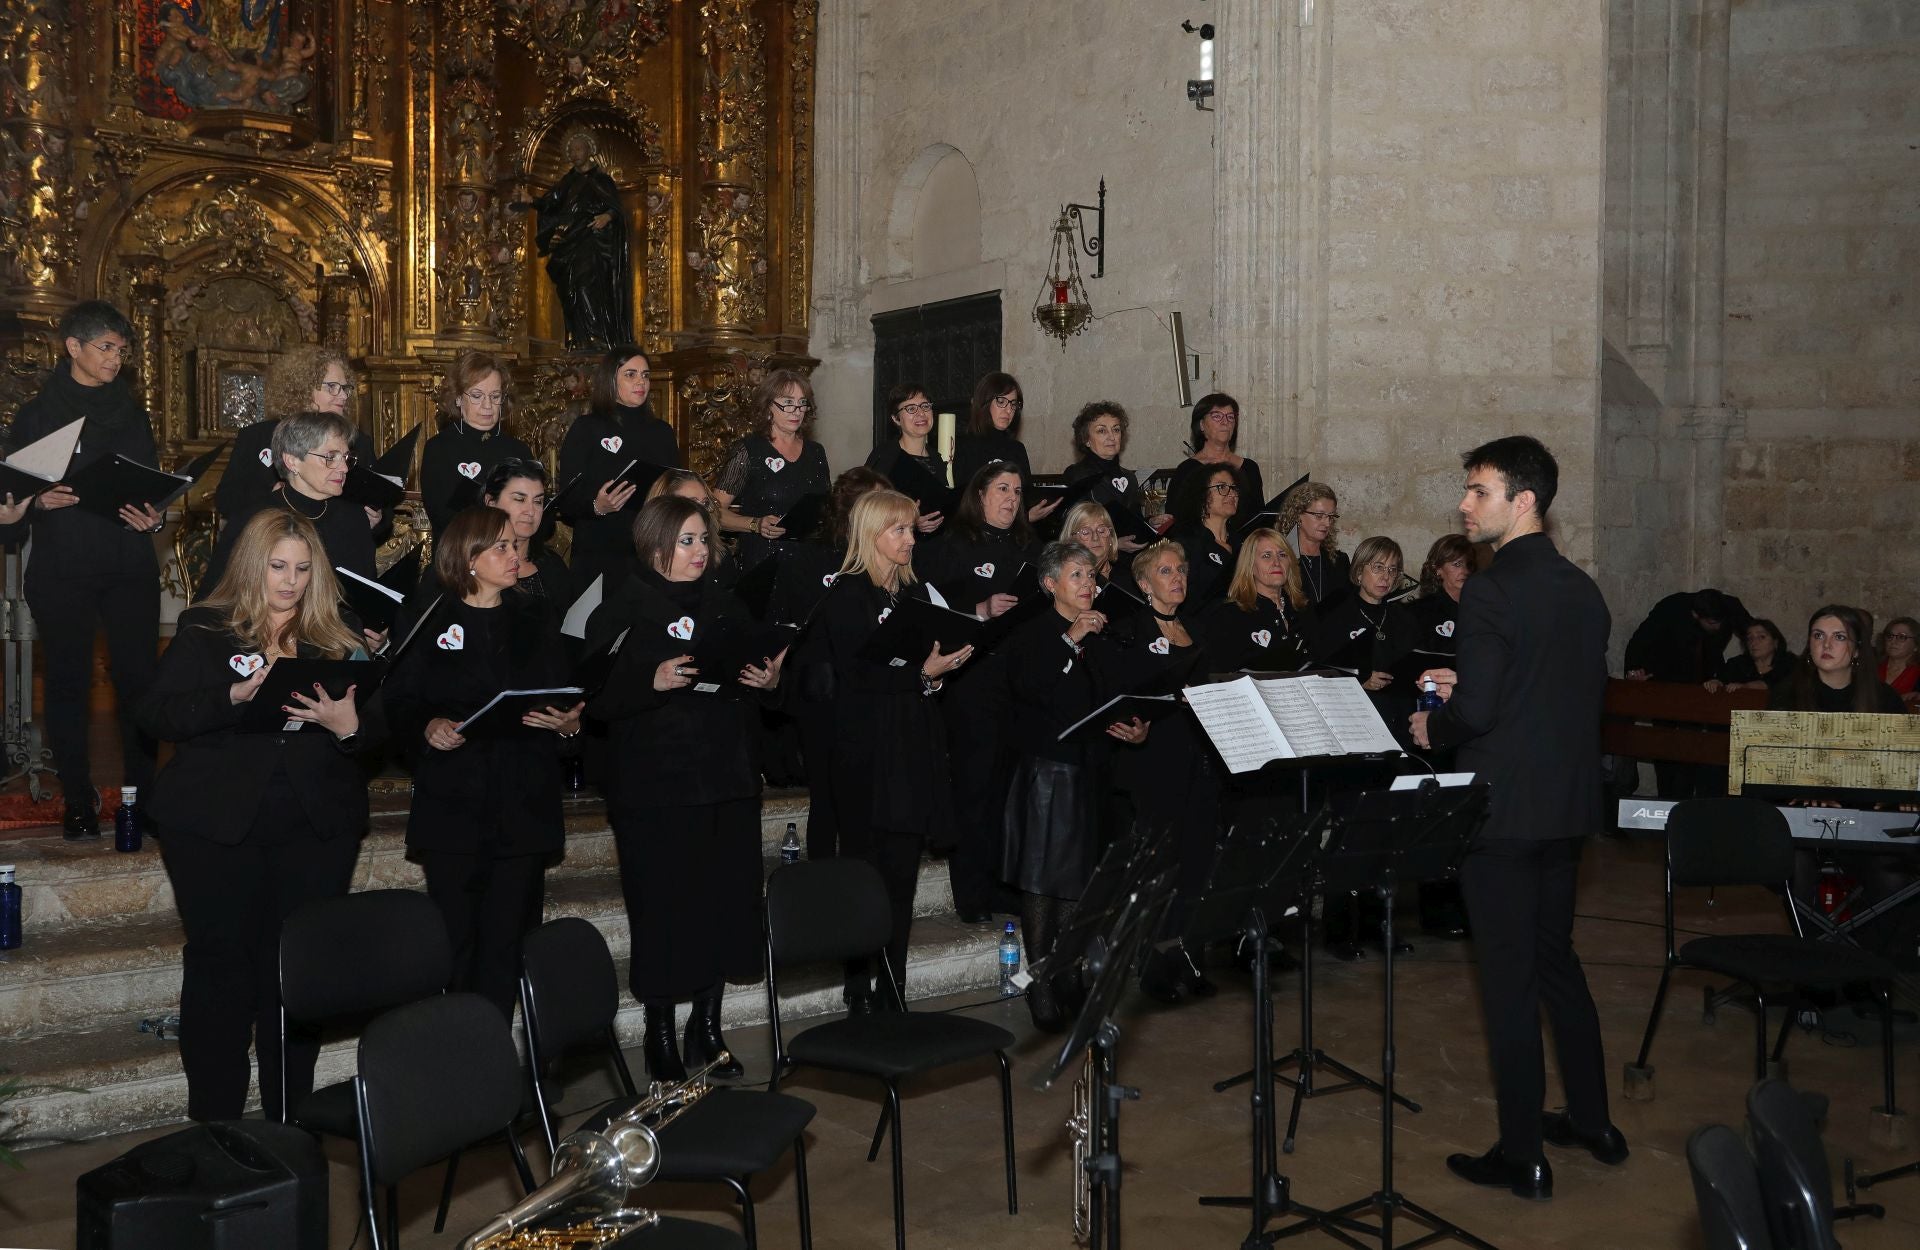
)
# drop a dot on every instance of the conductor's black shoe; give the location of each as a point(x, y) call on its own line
point(1526, 1180)
point(80, 822)
point(1609, 1146)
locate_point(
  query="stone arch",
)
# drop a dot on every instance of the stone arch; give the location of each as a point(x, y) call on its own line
point(934, 224)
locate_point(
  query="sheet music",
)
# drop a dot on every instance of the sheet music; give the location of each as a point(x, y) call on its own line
point(1238, 722)
point(1350, 714)
point(1300, 722)
point(368, 582)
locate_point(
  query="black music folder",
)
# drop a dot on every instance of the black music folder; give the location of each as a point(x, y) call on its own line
point(113, 482)
point(728, 644)
point(914, 626)
point(1122, 707)
point(1268, 514)
point(376, 601)
point(504, 710)
point(577, 495)
point(805, 516)
point(911, 479)
point(264, 714)
point(382, 483)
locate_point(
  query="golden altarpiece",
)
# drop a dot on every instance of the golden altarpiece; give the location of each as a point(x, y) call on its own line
point(242, 175)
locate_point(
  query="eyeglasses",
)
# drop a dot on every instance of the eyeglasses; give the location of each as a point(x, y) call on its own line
point(1324, 516)
point(1223, 414)
point(486, 399)
point(110, 349)
point(1007, 401)
point(1225, 488)
point(333, 458)
point(346, 388)
point(1093, 531)
point(1382, 566)
point(915, 410)
point(1899, 637)
point(791, 406)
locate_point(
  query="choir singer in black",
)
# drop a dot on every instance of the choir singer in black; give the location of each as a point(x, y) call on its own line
point(618, 428)
point(1523, 710)
point(685, 799)
point(1266, 619)
point(255, 824)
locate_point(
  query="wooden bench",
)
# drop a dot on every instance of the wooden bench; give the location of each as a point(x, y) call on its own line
point(1672, 721)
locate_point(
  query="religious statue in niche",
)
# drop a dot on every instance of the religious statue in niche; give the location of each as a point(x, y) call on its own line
point(581, 228)
point(220, 54)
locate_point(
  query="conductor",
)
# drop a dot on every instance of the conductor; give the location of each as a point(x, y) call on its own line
point(1523, 709)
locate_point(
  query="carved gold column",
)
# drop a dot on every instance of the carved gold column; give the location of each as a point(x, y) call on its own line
point(728, 253)
point(414, 287)
point(37, 224)
point(146, 309)
point(473, 295)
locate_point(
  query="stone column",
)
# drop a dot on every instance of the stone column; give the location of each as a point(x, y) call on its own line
point(838, 179)
point(1709, 423)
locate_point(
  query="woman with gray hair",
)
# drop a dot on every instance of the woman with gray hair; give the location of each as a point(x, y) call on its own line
point(308, 377)
point(311, 453)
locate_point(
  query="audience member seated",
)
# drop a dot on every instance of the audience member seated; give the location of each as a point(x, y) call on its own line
point(1899, 668)
point(1763, 663)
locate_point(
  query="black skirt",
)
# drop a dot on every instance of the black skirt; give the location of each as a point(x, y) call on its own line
point(692, 878)
point(1051, 823)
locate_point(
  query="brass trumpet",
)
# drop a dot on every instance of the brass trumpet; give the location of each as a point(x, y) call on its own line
point(585, 1202)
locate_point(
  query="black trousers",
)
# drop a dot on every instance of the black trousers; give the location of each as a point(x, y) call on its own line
point(980, 777)
point(232, 902)
point(1519, 895)
point(66, 615)
point(896, 856)
point(489, 904)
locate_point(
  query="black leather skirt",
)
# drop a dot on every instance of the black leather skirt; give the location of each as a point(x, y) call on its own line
point(1051, 835)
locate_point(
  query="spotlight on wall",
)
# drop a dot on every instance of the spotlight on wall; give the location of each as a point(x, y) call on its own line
point(1200, 89)
point(1183, 385)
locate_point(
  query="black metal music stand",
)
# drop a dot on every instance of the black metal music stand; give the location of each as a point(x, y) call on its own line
point(1260, 874)
point(1379, 839)
point(1111, 957)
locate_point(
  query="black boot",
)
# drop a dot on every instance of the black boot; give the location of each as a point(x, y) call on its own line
point(704, 1043)
point(663, 1052)
point(1160, 978)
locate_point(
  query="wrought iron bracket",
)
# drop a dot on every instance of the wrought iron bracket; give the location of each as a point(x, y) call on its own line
point(1094, 245)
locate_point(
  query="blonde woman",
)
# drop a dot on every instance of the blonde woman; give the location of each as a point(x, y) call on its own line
point(1091, 525)
point(1310, 516)
point(891, 785)
point(1265, 621)
point(255, 824)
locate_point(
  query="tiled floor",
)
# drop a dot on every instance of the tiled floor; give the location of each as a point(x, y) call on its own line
point(1182, 1140)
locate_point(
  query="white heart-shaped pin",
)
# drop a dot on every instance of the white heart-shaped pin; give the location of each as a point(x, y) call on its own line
point(455, 639)
point(1215, 557)
point(983, 570)
point(776, 463)
point(682, 628)
point(828, 579)
point(1356, 633)
point(1121, 483)
point(246, 665)
point(469, 469)
point(1159, 646)
point(1262, 636)
point(1068, 666)
point(1444, 629)
point(266, 457)
point(884, 614)
point(611, 442)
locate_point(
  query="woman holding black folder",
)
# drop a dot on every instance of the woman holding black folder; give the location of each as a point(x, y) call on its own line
point(307, 377)
point(771, 470)
point(1265, 621)
point(476, 412)
point(1203, 506)
point(255, 823)
point(519, 489)
point(1099, 440)
point(910, 461)
point(891, 781)
point(618, 428)
point(685, 802)
point(485, 820)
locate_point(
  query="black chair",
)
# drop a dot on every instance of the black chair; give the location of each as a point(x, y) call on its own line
point(832, 910)
point(435, 1076)
point(1726, 1191)
point(1794, 1180)
point(1742, 841)
point(569, 995)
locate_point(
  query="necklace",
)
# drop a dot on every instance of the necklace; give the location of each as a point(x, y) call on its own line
point(1158, 615)
point(1314, 575)
point(291, 495)
point(1379, 626)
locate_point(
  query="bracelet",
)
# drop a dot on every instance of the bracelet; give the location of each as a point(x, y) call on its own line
point(570, 737)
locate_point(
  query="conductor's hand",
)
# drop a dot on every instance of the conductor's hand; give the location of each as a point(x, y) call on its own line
point(1086, 623)
point(929, 523)
point(1417, 729)
point(613, 496)
point(995, 605)
point(61, 496)
point(566, 723)
point(764, 676)
point(338, 717)
point(1132, 731)
point(1041, 511)
point(674, 674)
point(937, 665)
point(1443, 679)
point(1379, 680)
point(143, 519)
point(243, 691)
point(11, 511)
point(441, 737)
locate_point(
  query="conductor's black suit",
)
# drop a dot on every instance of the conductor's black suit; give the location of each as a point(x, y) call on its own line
point(1525, 716)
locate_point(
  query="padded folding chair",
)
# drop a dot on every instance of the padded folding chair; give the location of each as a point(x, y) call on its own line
point(1794, 1180)
point(832, 910)
point(1726, 1191)
point(569, 995)
point(1742, 841)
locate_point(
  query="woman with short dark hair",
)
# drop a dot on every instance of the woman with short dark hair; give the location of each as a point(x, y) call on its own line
point(1099, 440)
point(520, 488)
point(617, 428)
point(476, 415)
point(1763, 662)
point(1214, 437)
point(910, 410)
point(485, 818)
point(992, 432)
point(772, 469)
point(685, 801)
point(1203, 505)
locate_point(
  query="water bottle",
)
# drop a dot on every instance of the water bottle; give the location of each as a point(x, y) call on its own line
point(1009, 960)
point(9, 910)
point(126, 821)
point(790, 845)
point(1430, 700)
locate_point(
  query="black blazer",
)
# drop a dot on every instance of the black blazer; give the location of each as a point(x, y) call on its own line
point(455, 465)
point(1532, 665)
point(499, 792)
point(598, 445)
point(250, 475)
point(342, 525)
point(1257, 640)
point(1051, 684)
point(213, 785)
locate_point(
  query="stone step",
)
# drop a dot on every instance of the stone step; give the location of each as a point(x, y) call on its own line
point(133, 1081)
point(117, 972)
point(65, 883)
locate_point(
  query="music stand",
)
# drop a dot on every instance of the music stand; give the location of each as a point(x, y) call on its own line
point(1257, 878)
point(1112, 960)
point(1378, 839)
